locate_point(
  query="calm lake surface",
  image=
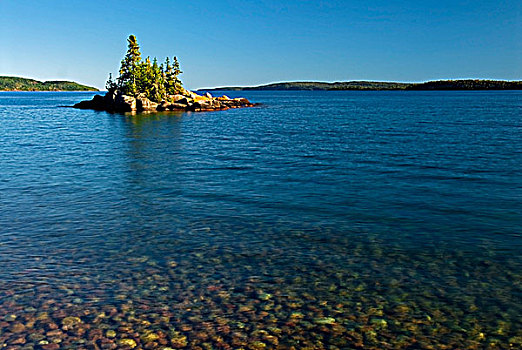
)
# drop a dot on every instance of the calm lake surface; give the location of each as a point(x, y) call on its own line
point(336, 220)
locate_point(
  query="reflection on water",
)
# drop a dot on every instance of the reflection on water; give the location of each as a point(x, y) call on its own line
point(346, 220)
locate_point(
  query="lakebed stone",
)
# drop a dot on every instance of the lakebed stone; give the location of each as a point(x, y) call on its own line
point(115, 101)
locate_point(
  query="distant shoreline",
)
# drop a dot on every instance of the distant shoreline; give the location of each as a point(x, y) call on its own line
point(444, 85)
point(51, 91)
point(17, 84)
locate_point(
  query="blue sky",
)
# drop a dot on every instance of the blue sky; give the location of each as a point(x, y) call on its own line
point(254, 42)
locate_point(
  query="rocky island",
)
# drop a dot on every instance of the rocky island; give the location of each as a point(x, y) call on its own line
point(146, 86)
point(116, 101)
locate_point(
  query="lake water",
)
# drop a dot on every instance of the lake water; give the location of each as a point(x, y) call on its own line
point(336, 220)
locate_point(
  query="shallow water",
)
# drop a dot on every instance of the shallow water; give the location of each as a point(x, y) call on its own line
point(319, 220)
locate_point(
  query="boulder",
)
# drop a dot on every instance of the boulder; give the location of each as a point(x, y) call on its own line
point(200, 106)
point(83, 105)
point(208, 95)
point(192, 95)
point(144, 104)
point(110, 98)
point(97, 103)
point(216, 104)
point(196, 106)
point(176, 98)
point(124, 103)
point(184, 101)
point(177, 107)
point(242, 100)
point(162, 106)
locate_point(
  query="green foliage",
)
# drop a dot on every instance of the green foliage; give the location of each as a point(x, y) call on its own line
point(143, 77)
point(468, 84)
point(110, 85)
point(23, 84)
point(127, 81)
point(376, 85)
point(172, 83)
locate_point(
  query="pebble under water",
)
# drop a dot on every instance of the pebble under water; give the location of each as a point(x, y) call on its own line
point(319, 220)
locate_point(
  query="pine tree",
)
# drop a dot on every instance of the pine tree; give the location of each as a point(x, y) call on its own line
point(127, 81)
point(177, 72)
point(172, 83)
point(158, 85)
point(146, 79)
point(151, 80)
point(111, 85)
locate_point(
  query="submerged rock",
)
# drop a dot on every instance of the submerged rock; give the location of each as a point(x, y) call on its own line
point(127, 342)
point(71, 321)
point(325, 320)
point(110, 333)
point(115, 101)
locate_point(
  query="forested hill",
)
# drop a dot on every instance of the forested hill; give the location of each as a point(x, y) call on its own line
point(24, 84)
point(468, 85)
point(374, 85)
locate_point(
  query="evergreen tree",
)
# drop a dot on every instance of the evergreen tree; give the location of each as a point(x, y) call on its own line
point(137, 77)
point(177, 72)
point(172, 83)
point(145, 78)
point(158, 83)
point(111, 85)
point(127, 81)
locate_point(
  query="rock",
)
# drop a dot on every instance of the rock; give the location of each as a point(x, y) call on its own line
point(97, 103)
point(18, 341)
point(124, 103)
point(401, 309)
point(297, 314)
point(71, 321)
point(17, 327)
point(179, 341)
point(184, 101)
point(325, 320)
point(149, 337)
point(242, 100)
point(110, 333)
point(162, 106)
point(203, 105)
point(144, 104)
point(176, 107)
point(215, 104)
point(379, 323)
point(194, 107)
point(192, 95)
point(257, 345)
point(176, 98)
point(115, 101)
point(52, 325)
point(110, 97)
point(127, 342)
point(54, 333)
point(264, 296)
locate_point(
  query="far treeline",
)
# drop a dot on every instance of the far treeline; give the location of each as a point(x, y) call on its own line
point(24, 84)
point(375, 85)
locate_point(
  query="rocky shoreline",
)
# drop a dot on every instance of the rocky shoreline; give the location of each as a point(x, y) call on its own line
point(115, 101)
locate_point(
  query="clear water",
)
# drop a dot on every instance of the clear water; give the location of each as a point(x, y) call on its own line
point(331, 220)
